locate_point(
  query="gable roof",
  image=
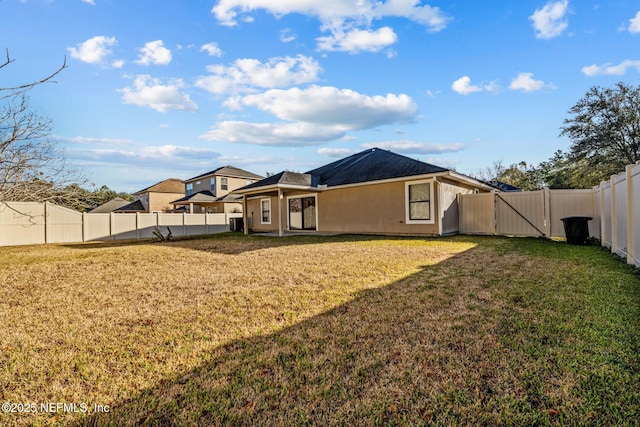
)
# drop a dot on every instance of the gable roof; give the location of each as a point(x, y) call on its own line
point(286, 178)
point(370, 165)
point(136, 206)
point(230, 171)
point(110, 206)
point(171, 185)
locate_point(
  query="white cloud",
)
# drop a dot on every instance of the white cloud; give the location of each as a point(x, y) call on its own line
point(354, 41)
point(526, 83)
point(611, 70)
point(287, 35)
point(313, 115)
point(335, 152)
point(325, 105)
point(332, 11)
point(97, 141)
point(91, 2)
point(348, 21)
point(549, 21)
point(118, 63)
point(212, 49)
point(165, 156)
point(149, 92)
point(93, 50)
point(414, 147)
point(273, 134)
point(634, 24)
point(154, 53)
point(245, 75)
point(463, 86)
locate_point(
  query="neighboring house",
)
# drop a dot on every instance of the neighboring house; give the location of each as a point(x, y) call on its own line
point(375, 191)
point(110, 206)
point(156, 198)
point(209, 192)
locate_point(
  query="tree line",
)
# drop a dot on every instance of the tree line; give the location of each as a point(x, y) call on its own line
point(604, 130)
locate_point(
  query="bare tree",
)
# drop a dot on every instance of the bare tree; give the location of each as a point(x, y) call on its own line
point(32, 168)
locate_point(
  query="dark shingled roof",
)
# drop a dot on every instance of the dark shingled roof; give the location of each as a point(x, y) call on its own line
point(286, 178)
point(136, 206)
point(200, 196)
point(503, 186)
point(227, 171)
point(374, 164)
point(110, 206)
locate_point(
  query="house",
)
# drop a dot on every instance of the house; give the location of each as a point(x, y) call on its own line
point(110, 206)
point(374, 191)
point(156, 198)
point(210, 192)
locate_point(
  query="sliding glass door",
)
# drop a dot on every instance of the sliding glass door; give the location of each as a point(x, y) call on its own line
point(302, 213)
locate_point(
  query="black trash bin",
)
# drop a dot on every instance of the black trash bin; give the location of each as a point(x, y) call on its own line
point(576, 229)
point(236, 224)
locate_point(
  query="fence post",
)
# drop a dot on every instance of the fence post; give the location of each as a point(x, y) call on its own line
point(602, 208)
point(184, 223)
point(614, 216)
point(46, 222)
point(138, 225)
point(546, 200)
point(111, 215)
point(630, 215)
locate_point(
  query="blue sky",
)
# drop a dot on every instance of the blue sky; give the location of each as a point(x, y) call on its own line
point(159, 89)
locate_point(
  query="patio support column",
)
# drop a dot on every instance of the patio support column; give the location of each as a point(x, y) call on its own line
point(245, 216)
point(280, 208)
point(190, 207)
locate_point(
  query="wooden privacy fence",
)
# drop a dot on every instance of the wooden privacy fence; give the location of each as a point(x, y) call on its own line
point(23, 223)
point(614, 207)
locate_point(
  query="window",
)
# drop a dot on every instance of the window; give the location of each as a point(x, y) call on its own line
point(265, 208)
point(198, 182)
point(212, 185)
point(224, 184)
point(419, 206)
point(189, 189)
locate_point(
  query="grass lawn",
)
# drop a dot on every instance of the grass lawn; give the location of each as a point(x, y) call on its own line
point(344, 330)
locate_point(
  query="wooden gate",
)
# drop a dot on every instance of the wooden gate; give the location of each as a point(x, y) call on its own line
point(528, 213)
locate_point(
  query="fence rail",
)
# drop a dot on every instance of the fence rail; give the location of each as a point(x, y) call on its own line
point(25, 223)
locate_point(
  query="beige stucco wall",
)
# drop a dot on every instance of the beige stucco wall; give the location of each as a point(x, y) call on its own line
point(254, 215)
point(161, 202)
point(377, 208)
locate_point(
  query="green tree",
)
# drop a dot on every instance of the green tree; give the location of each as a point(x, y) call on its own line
point(604, 127)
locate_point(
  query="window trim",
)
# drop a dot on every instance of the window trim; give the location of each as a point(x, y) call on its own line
point(407, 207)
point(262, 221)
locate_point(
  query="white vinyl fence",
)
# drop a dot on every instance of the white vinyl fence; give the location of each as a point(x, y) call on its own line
point(619, 203)
point(614, 207)
point(23, 223)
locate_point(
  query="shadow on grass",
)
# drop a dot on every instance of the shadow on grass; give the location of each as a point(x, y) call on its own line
point(234, 243)
point(425, 349)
